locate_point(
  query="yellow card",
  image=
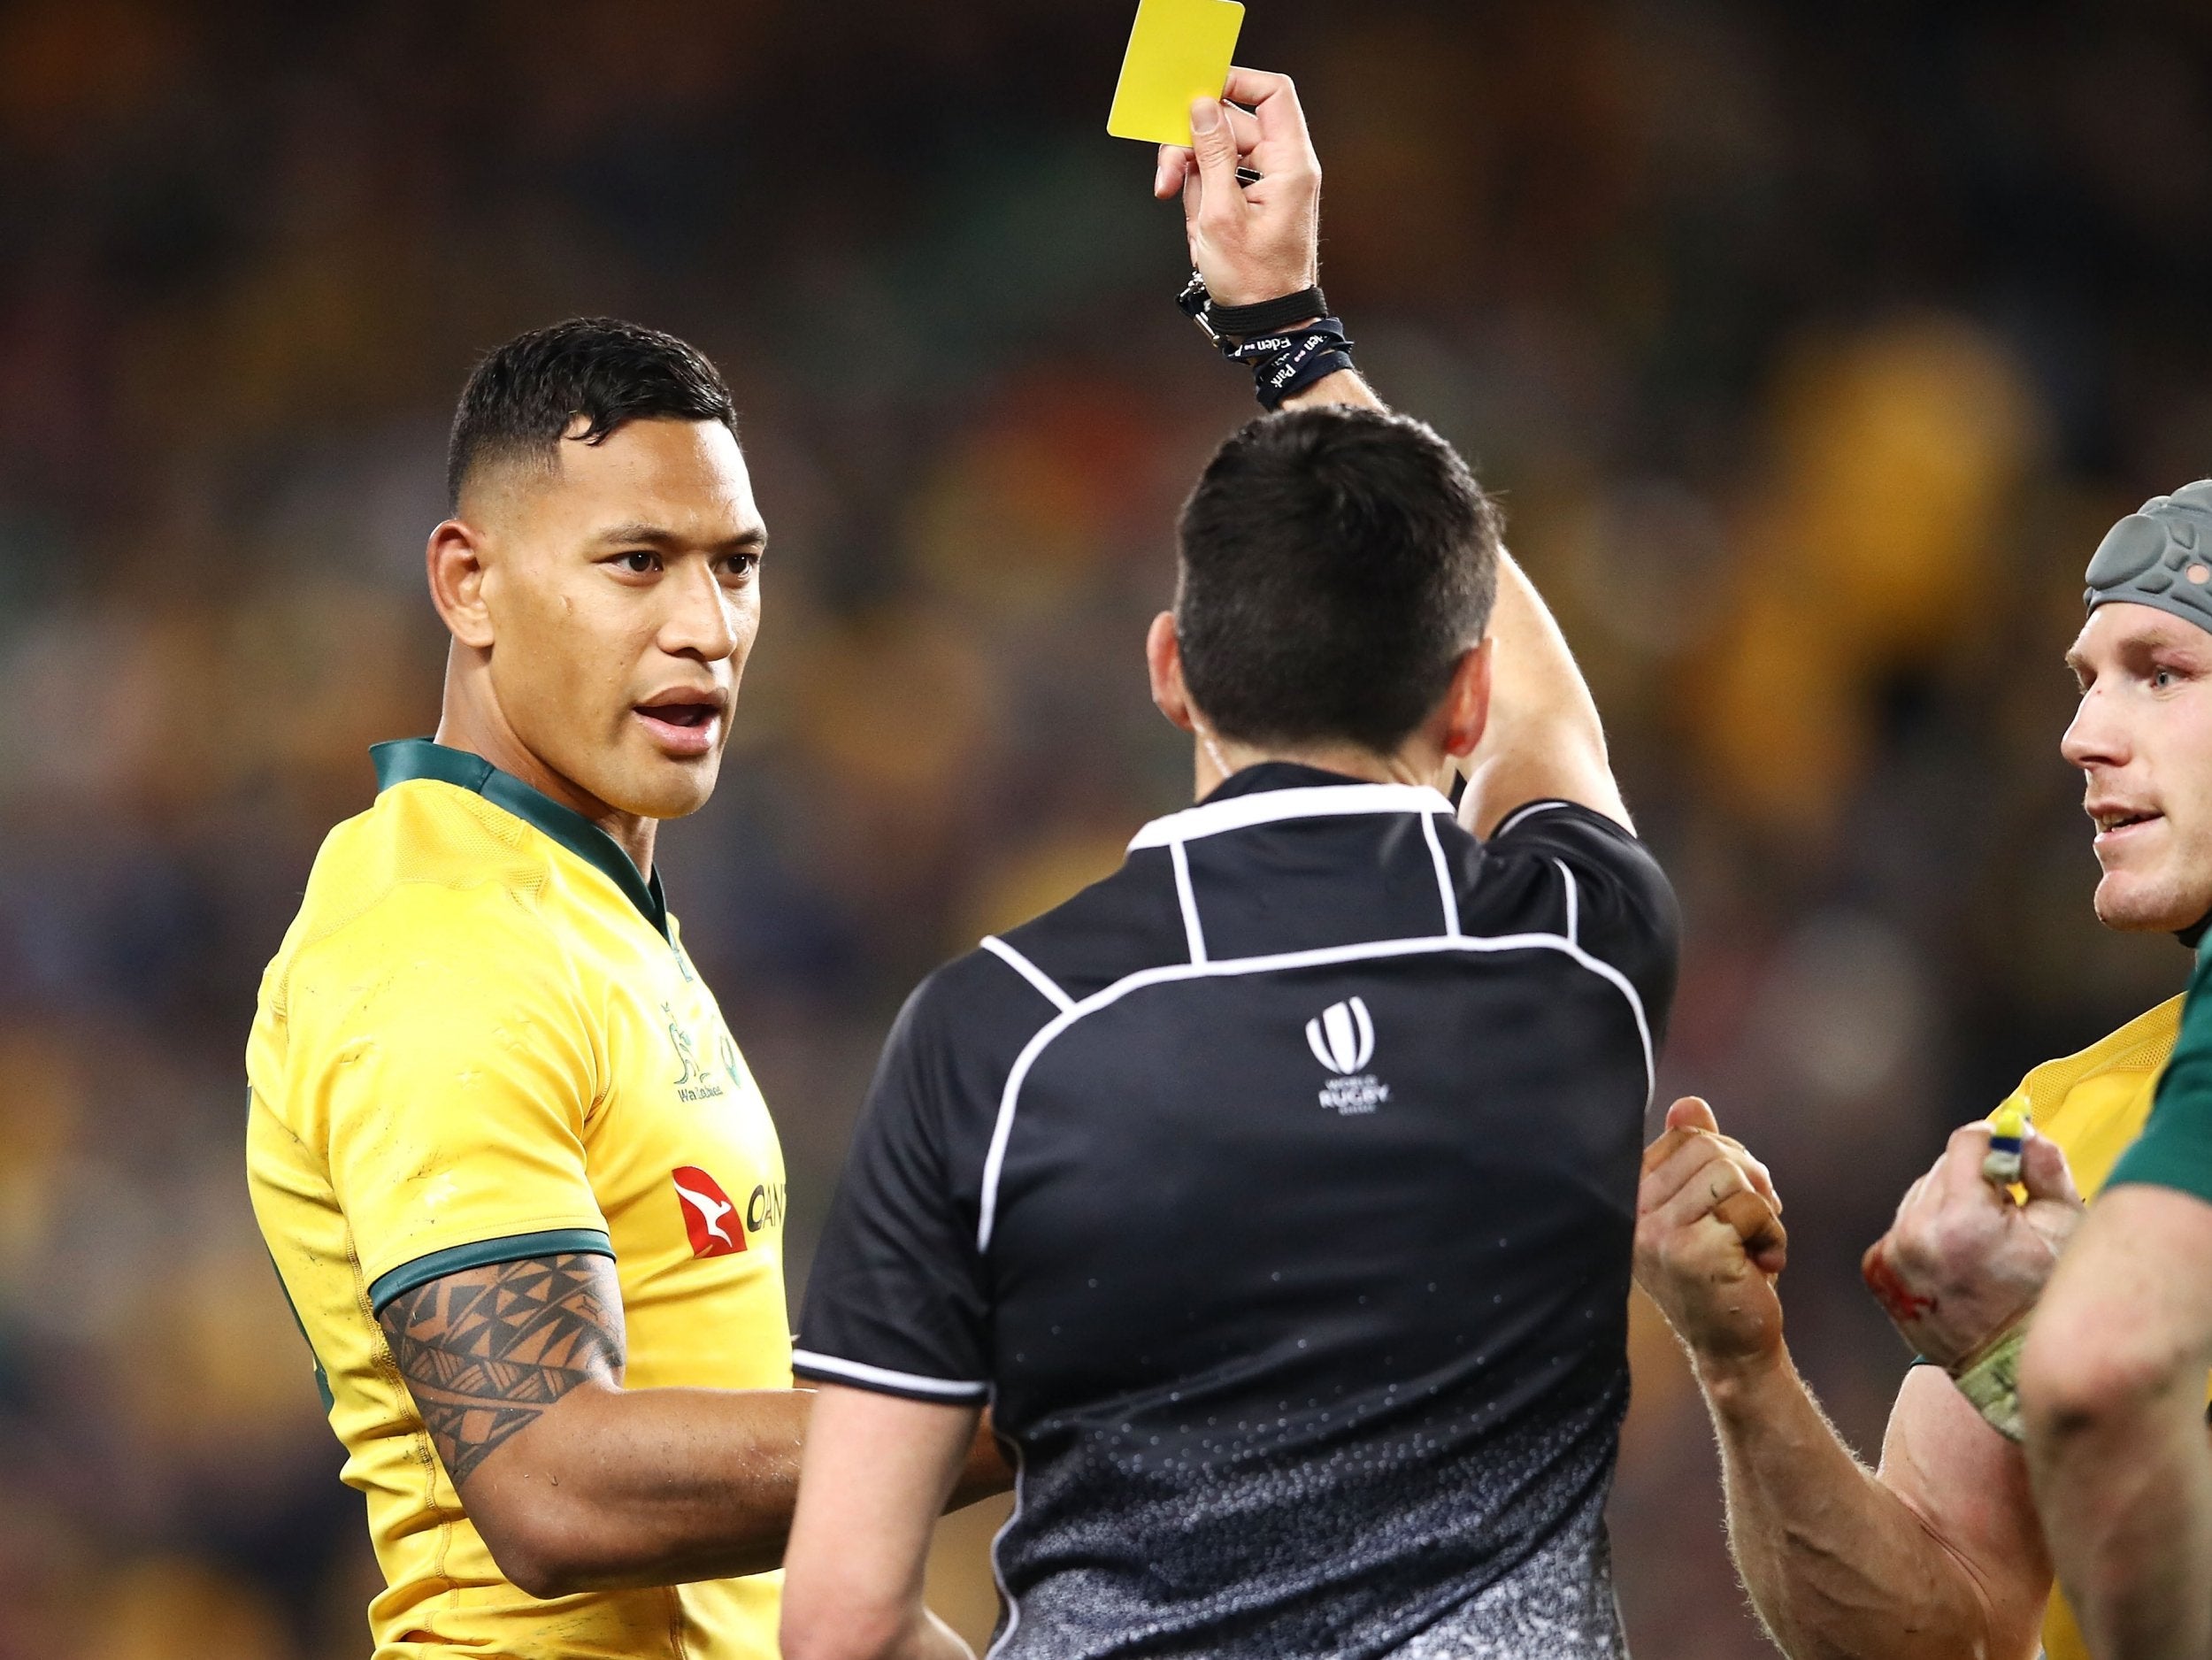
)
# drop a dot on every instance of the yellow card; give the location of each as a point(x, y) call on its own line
point(1180, 51)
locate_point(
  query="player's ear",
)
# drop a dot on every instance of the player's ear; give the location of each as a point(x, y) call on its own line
point(1164, 658)
point(456, 561)
point(1467, 702)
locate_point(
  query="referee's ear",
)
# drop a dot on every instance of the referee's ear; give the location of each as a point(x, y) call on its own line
point(1164, 658)
point(1466, 705)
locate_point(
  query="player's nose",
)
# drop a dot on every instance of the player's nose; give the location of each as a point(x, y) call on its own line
point(2097, 735)
point(702, 619)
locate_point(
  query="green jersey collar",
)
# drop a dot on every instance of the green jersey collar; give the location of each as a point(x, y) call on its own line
point(418, 758)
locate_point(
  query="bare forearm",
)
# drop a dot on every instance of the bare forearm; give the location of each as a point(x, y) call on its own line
point(2134, 1486)
point(578, 1484)
point(650, 1487)
point(2112, 1388)
point(1838, 1566)
point(879, 1470)
point(625, 1488)
point(1544, 737)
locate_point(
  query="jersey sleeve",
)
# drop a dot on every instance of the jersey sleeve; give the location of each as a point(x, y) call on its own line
point(2175, 1149)
point(1614, 901)
point(896, 1300)
point(456, 1071)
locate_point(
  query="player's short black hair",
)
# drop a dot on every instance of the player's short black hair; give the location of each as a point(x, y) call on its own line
point(524, 393)
point(1335, 564)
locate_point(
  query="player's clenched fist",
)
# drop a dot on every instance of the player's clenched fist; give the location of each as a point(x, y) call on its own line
point(1249, 242)
point(1963, 1260)
point(1709, 1240)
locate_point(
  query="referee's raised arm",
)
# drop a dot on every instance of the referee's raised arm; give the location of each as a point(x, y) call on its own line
point(1544, 741)
point(1255, 255)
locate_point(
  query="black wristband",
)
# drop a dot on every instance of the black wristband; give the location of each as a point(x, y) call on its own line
point(1226, 325)
point(1305, 346)
point(1276, 386)
point(1244, 321)
point(1282, 365)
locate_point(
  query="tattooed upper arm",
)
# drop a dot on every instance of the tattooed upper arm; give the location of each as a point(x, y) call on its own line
point(485, 1351)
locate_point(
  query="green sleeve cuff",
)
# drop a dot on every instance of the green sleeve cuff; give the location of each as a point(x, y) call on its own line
point(513, 1248)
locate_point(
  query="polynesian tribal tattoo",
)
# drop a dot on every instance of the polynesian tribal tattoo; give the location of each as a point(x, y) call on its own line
point(486, 1350)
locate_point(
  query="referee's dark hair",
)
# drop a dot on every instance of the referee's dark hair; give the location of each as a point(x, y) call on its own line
point(1336, 563)
point(524, 395)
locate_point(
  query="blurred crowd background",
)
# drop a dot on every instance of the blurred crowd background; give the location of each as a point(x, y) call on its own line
point(1810, 347)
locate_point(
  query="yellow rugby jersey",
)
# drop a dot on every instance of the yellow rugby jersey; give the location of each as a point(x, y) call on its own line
point(2093, 1105)
point(481, 1041)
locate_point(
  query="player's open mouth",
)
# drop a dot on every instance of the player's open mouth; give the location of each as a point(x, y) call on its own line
point(681, 725)
point(2114, 823)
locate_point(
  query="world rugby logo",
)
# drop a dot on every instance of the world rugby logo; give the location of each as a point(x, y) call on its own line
point(1342, 1039)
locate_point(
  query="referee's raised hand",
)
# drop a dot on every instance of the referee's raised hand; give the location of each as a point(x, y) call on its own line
point(1710, 1242)
point(1250, 242)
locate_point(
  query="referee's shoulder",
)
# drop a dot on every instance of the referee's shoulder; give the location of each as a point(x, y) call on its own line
point(1119, 925)
point(1559, 867)
point(1540, 836)
point(1019, 979)
point(1558, 823)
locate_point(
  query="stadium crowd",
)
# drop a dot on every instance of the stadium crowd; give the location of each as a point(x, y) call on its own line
point(1810, 352)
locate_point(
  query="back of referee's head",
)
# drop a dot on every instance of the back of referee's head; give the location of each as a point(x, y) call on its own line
point(1336, 565)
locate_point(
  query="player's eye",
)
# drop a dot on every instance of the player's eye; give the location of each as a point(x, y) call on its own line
point(2162, 677)
point(641, 562)
point(741, 566)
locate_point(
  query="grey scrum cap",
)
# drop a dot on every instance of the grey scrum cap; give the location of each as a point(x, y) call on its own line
point(2161, 556)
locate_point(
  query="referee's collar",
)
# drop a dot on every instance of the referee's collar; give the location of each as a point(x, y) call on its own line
point(407, 758)
point(1276, 790)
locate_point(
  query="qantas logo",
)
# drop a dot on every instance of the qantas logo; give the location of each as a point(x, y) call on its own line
point(1342, 1039)
point(709, 1216)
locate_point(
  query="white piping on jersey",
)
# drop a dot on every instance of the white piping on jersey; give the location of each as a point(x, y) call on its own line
point(1029, 971)
point(860, 1373)
point(1529, 811)
point(1193, 931)
point(994, 1162)
point(998, 1573)
point(1444, 888)
point(1574, 933)
point(1311, 801)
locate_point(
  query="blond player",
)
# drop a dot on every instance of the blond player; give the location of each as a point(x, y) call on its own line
point(2113, 1373)
point(1939, 1552)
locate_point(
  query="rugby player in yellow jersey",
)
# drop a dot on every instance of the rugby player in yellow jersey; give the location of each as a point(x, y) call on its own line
point(2112, 1376)
point(1939, 1553)
point(518, 1184)
point(2111, 1380)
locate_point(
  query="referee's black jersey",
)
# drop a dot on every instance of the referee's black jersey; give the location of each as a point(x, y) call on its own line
point(1277, 1191)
